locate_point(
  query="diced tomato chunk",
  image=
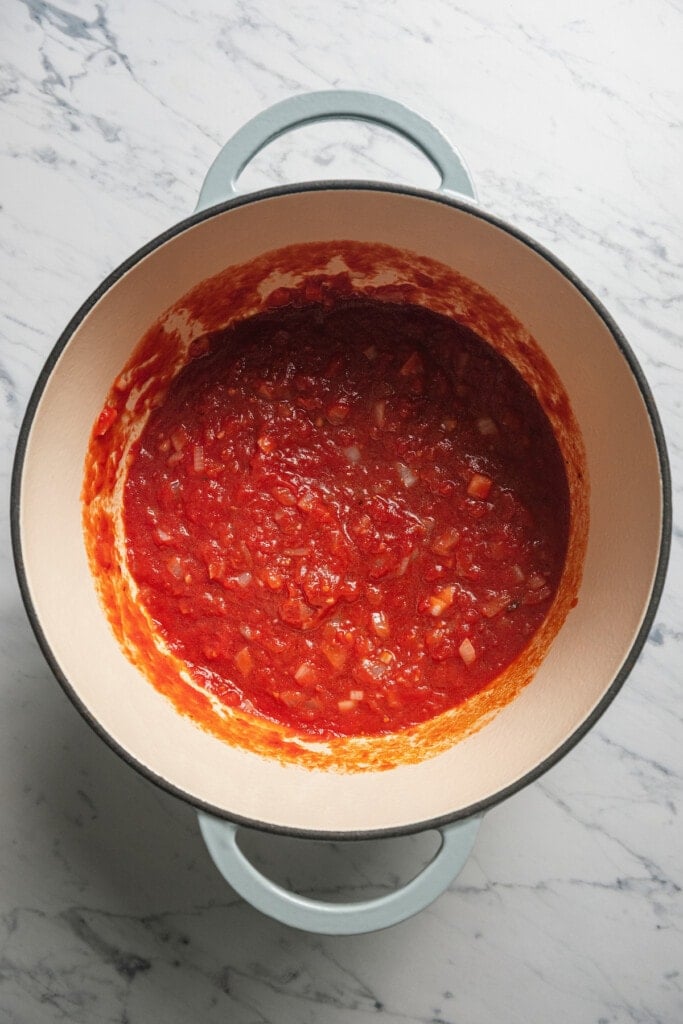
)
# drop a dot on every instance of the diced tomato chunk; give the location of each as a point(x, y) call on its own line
point(338, 412)
point(479, 486)
point(244, 661)
point(446, 541)
point(295, 612)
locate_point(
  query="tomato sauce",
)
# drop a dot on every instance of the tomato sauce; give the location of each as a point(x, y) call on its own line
point(346, 517)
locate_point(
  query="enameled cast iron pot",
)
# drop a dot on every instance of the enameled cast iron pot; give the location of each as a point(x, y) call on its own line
point(625, 560)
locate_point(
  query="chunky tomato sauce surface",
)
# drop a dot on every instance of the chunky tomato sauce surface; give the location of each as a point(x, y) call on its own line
point(346, 519)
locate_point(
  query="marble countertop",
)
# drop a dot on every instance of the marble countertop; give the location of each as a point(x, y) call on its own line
point(569, 116)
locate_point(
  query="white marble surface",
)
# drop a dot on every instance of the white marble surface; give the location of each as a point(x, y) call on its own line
point(569, 115)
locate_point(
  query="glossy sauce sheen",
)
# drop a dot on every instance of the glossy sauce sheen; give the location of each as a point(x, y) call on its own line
point(346, 518)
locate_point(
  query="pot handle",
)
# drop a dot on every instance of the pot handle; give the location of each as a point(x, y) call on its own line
point(311, 915)
point(296, 111)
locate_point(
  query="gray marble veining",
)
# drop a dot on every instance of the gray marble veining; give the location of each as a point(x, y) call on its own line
point(569, 116)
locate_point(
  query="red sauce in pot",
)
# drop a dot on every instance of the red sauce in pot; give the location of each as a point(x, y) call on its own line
point(346, 518)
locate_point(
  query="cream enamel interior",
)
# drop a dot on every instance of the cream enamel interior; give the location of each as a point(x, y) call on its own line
point(623, 547)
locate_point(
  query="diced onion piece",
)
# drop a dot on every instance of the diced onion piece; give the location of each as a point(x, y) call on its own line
point(379, 411)
point(216, 569)
point(175, 567)
point(536, 581)
point(467, 652)
point(198, 458)
point(406, 474)
point(296, 552)
point(486, 426)
point(370, 352)
point(438, 603)
point(355, 694)
point(517, 572)
point(179, 439)
point(162, 535)
point(306, 502)
point(374, 670)
point(537, 596)
point(346, 705)
point(495, 605)
point(380, 625)
point(244, 661)
point(306, 673)
point(352, 453)
point(335, 654)
point(386, 657)
point(292, 698)
point(311, 704)
point(244, 579)
point(479, 486)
